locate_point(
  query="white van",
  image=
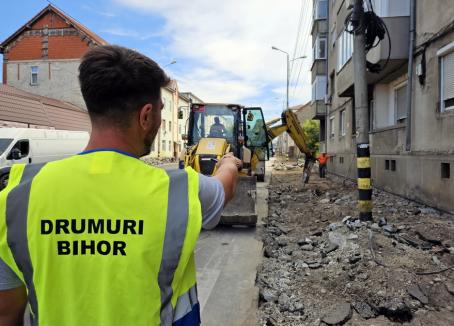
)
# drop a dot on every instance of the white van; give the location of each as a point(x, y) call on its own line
point(25, 145)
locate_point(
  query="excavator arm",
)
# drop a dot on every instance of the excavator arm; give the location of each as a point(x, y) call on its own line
point(291, 124)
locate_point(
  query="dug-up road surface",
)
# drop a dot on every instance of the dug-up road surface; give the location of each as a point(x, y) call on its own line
point(227, 259)
point(322, 266)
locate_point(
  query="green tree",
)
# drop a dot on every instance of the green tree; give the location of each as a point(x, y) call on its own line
point(312, 131)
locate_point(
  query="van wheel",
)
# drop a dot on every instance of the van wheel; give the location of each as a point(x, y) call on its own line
point(4, 181)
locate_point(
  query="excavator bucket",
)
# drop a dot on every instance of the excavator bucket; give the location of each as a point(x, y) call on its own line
point(241, 209)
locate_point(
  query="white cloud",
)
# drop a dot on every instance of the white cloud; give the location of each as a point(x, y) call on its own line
point(230, 42)
point(123, 32)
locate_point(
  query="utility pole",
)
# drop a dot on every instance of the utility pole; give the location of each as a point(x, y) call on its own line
point(362, 114)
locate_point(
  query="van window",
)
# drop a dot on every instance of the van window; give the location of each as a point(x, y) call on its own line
point(4, 143)
point(23, 146)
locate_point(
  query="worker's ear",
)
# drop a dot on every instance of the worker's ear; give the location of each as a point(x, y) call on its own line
point(146, 116)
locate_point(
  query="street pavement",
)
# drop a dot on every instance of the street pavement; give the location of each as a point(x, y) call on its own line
point(227, 260)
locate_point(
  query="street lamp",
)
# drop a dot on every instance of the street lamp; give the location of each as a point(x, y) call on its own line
point(170, 63)
point(285, 138)
point(288, 68)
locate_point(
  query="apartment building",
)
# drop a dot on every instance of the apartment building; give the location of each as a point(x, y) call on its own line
point(169, 141)
point(423, 171)
point(319, 69)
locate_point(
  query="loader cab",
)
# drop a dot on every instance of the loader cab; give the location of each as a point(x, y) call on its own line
point(215, 121)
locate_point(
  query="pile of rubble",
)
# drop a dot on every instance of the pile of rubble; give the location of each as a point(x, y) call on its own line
point(281, 166)
point(157, 161)
point(324, 266)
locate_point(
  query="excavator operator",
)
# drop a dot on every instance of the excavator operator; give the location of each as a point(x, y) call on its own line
point(217, 129)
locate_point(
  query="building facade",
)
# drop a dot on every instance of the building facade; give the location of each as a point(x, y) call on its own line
point(169, 141)
point(43, 56)
point(319, 69)
point(423, 171)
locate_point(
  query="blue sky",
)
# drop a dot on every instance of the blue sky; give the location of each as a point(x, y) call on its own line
point(222, 48)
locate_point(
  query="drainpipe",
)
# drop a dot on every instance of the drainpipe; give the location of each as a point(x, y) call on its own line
point(328, 79)
point(411, 47)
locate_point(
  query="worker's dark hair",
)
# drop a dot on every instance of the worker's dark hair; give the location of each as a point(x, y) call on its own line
point(116, 81)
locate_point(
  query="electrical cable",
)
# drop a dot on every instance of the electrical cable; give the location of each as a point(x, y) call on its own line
point(303, 48)
point(302, 45)
point(374, 29)
point(300, 20)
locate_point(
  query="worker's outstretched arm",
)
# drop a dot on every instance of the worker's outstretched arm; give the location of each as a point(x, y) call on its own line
point(12, 306)
point(227, 174)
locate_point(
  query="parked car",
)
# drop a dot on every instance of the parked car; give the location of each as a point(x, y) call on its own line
point(26, 145)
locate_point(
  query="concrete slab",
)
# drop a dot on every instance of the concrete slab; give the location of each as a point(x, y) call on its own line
point(227, 260)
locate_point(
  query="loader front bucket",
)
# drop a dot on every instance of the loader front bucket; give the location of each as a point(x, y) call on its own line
point(241, 209)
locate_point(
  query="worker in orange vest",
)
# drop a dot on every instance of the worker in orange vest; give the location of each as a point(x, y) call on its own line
point(322, 160)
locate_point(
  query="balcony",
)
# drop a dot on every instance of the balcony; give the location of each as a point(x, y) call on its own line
point(399, 30)
point(318, 68)
point(318, 110)
point(319, 26)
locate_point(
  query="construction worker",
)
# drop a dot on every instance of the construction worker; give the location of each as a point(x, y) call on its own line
point(322, 160)
point(101, 238)
point(217, 129)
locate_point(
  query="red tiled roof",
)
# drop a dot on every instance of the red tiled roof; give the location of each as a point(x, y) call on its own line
point(71, 21)
point(19, 106)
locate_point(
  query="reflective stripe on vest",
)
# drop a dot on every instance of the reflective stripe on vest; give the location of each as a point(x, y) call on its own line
point(16, 220)
point(176, 273)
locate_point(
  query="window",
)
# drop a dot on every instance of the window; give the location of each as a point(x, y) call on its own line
point(400, 101)
point(152, 147)
point(341, 159)
point(393, 165)
point(170, 126)
point(447, 82)
point(445, 170)
point(22, 147)
point(163, 126)
point(342, 123)
point(320, 48)
point(321, 9)
point(390, 8)
point(34, 75)
point(319, 88)
point(163, 146)
point(344, 49)
point(256, 136)
point(164, 102)
point(331, 127)
point(386, 164)
point(170, 146)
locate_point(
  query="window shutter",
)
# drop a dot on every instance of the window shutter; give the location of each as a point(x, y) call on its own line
point(448, 76)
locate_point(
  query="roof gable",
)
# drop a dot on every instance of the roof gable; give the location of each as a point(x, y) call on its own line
point(62, 20)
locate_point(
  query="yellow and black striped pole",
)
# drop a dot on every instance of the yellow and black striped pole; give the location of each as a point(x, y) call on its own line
point(364, 182)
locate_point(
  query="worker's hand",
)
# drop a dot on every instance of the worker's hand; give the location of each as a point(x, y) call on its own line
point(227, 174)
point(229, 158)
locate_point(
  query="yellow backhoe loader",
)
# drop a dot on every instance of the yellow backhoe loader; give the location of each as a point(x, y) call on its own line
point(216, 129)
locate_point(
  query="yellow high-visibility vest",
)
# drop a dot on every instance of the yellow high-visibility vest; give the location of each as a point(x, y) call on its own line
point(101, 238)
